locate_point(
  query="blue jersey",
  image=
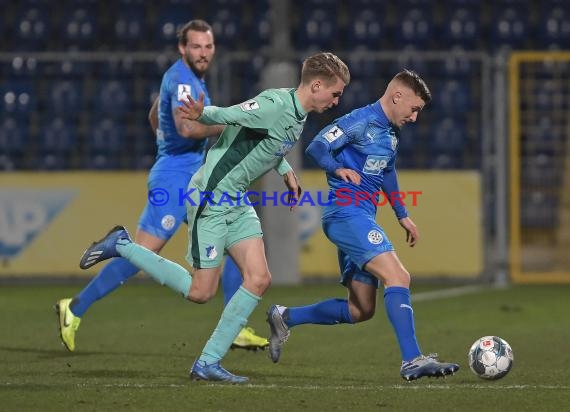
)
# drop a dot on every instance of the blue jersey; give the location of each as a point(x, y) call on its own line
point(366, 142)
point(174, 151)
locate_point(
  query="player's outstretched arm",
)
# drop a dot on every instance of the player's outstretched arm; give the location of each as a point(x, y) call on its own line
point(192, 109)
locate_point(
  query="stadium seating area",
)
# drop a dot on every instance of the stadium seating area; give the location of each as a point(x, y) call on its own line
point(69, 114)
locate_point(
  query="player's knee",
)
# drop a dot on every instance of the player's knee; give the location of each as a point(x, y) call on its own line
point(200, 296)
point(361, 314)
point(400, 278)
point(258, 283)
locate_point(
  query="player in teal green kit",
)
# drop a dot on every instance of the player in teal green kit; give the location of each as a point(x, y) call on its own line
point(257, 136)
point(181, 152)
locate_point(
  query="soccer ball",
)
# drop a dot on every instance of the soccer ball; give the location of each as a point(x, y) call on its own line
point(490, 357)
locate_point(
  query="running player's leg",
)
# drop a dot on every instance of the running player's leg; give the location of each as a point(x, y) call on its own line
point(157, 224)
point(231, 281)
point(387, 267)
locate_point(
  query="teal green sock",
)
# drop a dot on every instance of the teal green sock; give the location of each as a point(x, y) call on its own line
point(162, 270)
point(234, 318)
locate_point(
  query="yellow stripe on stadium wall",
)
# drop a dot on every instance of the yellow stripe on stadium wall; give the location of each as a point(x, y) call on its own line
point(448, 216)
point(48, 219)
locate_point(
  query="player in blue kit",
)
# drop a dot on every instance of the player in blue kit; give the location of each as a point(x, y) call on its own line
point(181, 151)
point(358, 153)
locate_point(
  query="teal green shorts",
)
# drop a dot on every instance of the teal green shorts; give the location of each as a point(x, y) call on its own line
point(214, 229)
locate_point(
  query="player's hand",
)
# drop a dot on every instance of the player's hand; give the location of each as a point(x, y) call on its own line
point(412, 233)
point(348, 175)
point(295, 190)
point(192, 109)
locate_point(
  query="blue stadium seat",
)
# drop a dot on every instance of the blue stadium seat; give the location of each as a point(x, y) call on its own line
point(31, 29)
point(57, 135)
point(66, 69)
point(14, 133)
point(445, 161)
point(317, 4)
point(457, 66)
point(538, 209)
point(357, 94)
point(541, 171)
point(17, 97)
point(509, 29)
point(318, 29)
point(362, 67)
point(65, 97)
point(554, 28)
point(449, 136)
point(113, 97)
point(129, 27)
point(365, 29)
point(408, 59)
point(414, 28)
point(410, 141)
point(227, 27)
point(101, 161)
point(261, 28)
point(236, 5)
point(105, 135)
point(453, 96)
point(79, 28)
point(21, 67)
point(549, 93)
point(151, 91)
point(8, 163)
point(461, 28)
point(170, 20)
point(51, 162)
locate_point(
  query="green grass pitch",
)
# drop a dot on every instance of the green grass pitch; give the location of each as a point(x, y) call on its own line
point(135, 348)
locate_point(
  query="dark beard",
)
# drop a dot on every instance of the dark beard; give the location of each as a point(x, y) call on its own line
point(197, 72)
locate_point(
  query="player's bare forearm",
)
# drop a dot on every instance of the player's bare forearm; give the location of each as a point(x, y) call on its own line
point(294, 187)
point(412, 232)
point(153, 116)
point(196, 130)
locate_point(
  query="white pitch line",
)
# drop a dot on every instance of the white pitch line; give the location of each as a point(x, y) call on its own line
point(446, 293)
point(410, 386)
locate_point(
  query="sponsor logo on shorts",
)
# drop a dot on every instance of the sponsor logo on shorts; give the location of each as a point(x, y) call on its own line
point(375, 237)
point(168, 222)
point(211, 252)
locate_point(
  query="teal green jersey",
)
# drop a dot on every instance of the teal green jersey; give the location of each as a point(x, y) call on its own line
point(257, 136)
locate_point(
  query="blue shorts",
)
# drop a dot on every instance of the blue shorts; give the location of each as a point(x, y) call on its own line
point(358, 239)
point(164, 212)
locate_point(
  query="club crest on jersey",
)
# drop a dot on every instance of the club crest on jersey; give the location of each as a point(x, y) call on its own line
point(249, 105)
point(394, 142)
point(375, 237)
point(333, 134)
point(184, 90)
point(375, 164)
point(211, 252)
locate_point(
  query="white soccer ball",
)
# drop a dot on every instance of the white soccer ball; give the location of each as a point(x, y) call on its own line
point(490, 357)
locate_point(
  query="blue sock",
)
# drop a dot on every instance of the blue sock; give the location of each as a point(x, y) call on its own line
point(231, 279)
point(401, 315)
point(327, 312)
point(234, 318)
point(113, 275)
point(162, 270)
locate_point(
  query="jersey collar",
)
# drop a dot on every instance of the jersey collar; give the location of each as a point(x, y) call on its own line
point(299, 112)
